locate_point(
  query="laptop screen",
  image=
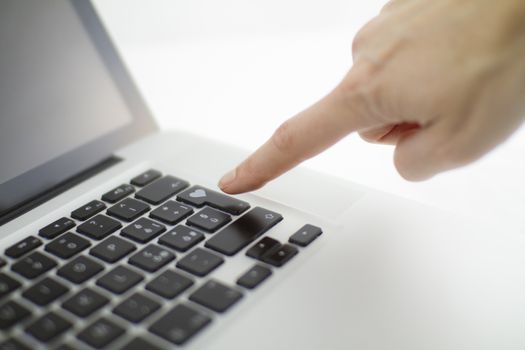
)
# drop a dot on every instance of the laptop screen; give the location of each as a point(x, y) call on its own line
point(65, 98)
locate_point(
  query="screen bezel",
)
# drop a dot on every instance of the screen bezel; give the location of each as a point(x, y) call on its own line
point(16, 192)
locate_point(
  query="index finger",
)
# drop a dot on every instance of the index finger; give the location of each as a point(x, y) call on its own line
point(302, 137)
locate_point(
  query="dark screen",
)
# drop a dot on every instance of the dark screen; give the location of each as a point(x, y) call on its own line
point(66, 101)
point(55, 91)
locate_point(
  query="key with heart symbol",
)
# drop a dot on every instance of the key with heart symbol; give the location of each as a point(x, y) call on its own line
point(199, 196)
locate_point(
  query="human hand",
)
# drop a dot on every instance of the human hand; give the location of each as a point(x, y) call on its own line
point(443, 81)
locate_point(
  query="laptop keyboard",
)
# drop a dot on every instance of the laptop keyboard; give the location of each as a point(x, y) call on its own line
point(148, 247)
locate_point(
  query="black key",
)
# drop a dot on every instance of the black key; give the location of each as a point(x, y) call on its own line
point(57, 228)
point(128, 209)
point(112, 249)
point(119, 280)
point(199, 196)
point(151, 258)
point(88, 210)
point(45, 291)
point(67, 245)
point(200, 262)
point(171, 212)
point(265, 245)
point(162, 189)
point(243, 231)
point(180, 324)
point(146, 177)
point(99, 227)
point(11, 313)
point(280, 256)
point(85, 302)
point(34, 265)
point(216, 296)
point(2, 262)
point(209, 219)
point(169, 284)
point(254, 276)
point(13, 344)
point(181, 238)
point(24, 246)
point(306, 235)
point(101, 333)
point(7, 285)
point(136, 308)
point(118, 193)
point(143, 230)
point(80, 269)
point(48, 327)
point(139, 343)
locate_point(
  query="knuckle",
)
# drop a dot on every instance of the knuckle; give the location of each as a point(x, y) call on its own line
point(283, 138)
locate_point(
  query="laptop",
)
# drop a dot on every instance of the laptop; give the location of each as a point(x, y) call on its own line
point(114, 235)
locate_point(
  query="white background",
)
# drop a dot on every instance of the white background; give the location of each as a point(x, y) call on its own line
point(234, 70)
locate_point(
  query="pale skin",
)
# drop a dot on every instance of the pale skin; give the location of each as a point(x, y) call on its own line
point(443, 81)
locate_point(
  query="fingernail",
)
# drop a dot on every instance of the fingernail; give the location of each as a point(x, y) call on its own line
point(227, 179)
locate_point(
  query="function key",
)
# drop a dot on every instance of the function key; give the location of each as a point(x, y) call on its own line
point(169, 284)
point(45, 291)
point(151, 258)
point(11, 313)
point(199, 196)
point(118, 193)
point(180, 324)
point(171, 212)
point(85, 302)
point(7, 285)
point(139, 343)
point(262, 247)
point(56, 228)
point(146, 177)
point(254, 276)
point(181, 238)
point(280, 256)
point(67, 245)
point(216, 296)
point(306, 235)
point(243, 231)
point(200, 262)
point(34, 265)
point(119, 280)
point(101, 333)
point(99, 227)
point(162, 189)
point(24, 246)
point(112, 249)
point(80, 269)
point(88, 210)
point(143, 230)
point(209, 219)
point(128, 209)
point(48, 327)
point(136, 308)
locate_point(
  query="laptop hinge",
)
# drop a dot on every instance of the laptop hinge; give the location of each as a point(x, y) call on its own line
point(56, 190)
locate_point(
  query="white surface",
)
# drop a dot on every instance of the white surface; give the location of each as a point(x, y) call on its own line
point(234, 70)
